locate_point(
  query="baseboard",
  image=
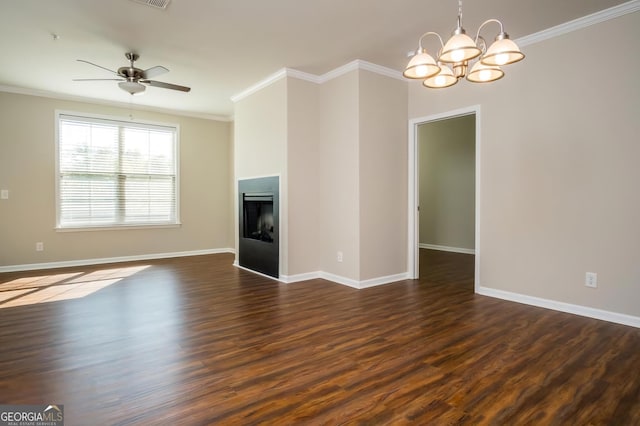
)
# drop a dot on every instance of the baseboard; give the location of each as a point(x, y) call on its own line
point(447, 248)
point(237, 265)
point(339, 280)
point(100, 261)
point(584, 311)
point(384, 280)
point(288, 279)
point(346, 281)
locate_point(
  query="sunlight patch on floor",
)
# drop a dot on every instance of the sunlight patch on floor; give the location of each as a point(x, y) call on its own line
point(57, 287)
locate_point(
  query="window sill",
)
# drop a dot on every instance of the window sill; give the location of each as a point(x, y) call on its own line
point(116, 228)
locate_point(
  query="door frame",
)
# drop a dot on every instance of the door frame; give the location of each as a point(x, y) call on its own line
point(413, 253)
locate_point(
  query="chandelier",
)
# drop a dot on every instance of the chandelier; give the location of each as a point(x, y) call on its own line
point(455, 57)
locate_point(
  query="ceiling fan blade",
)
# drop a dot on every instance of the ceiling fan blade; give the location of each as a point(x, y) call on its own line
point(166, 85)
point(96, 65)
point(98, 79)
point(154, 71)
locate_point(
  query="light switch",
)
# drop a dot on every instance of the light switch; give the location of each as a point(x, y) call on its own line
point(4, 194)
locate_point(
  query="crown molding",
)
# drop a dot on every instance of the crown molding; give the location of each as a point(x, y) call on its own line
point(567, 27)
point(357, 64)
point(337, 72)
point(278, 75)
point(301, 75)
point(269, 80)
point(580, 23)
point(95, 101)
point(379, 69)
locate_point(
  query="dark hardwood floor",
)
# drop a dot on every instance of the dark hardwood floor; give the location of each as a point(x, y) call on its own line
point(195, 341)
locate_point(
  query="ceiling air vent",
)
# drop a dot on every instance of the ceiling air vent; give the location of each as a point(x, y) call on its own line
point(158, 4)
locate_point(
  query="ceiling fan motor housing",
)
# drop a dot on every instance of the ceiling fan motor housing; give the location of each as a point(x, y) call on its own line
point(130, 73)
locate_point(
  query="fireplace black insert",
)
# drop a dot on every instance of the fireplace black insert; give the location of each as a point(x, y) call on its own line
point(258, 216)
point(258, 209)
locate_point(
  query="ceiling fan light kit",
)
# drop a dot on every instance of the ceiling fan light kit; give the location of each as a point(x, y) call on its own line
point(135, 80)
point(131, 87)
point(459, 52)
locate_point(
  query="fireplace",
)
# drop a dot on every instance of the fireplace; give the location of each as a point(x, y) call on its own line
point(258, 209)
point(258, 216)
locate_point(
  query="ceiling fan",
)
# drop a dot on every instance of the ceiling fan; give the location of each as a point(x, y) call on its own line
point(132, 80)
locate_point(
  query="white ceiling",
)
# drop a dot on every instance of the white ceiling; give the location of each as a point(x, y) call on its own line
point(221, 47)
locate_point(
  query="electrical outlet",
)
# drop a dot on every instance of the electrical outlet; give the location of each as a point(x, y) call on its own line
point(339, 256)
point(39, 246)
point(591, 280)
point(4, 194)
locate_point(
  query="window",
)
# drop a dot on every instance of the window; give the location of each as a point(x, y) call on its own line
point(115, 173)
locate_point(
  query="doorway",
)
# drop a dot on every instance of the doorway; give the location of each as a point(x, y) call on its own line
point(452, 234)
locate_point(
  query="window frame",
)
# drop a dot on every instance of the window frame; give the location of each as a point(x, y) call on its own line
point(59, 114)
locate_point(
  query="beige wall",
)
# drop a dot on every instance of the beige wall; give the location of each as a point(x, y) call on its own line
point(340, 148)
point(339, 163)
point(303, 168)
point(261, 132)
point(383, 176)
point(27, 169)
point(260, 148)
point(446, 153)
point(559, 168)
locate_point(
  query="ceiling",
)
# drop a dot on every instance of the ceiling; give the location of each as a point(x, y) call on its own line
point(221, 47)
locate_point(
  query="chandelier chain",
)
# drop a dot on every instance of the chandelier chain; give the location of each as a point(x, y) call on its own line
point(459, 7)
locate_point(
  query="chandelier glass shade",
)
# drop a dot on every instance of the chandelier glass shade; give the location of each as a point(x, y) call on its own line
point(481, 73)
point(459, 48)
point(502, 52)
point(444, 78)
point(422, 65)
point(458, 53)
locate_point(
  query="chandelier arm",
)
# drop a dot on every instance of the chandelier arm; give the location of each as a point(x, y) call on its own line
point(481, 43)
point(487, 22)
point(430, 33)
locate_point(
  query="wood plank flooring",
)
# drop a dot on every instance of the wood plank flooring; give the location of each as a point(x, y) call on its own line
point(195, 341)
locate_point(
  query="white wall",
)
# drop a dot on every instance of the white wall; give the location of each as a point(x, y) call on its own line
point(27, 170)
point(559, 167)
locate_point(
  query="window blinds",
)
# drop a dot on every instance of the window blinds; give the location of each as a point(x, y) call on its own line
point(115, 173)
